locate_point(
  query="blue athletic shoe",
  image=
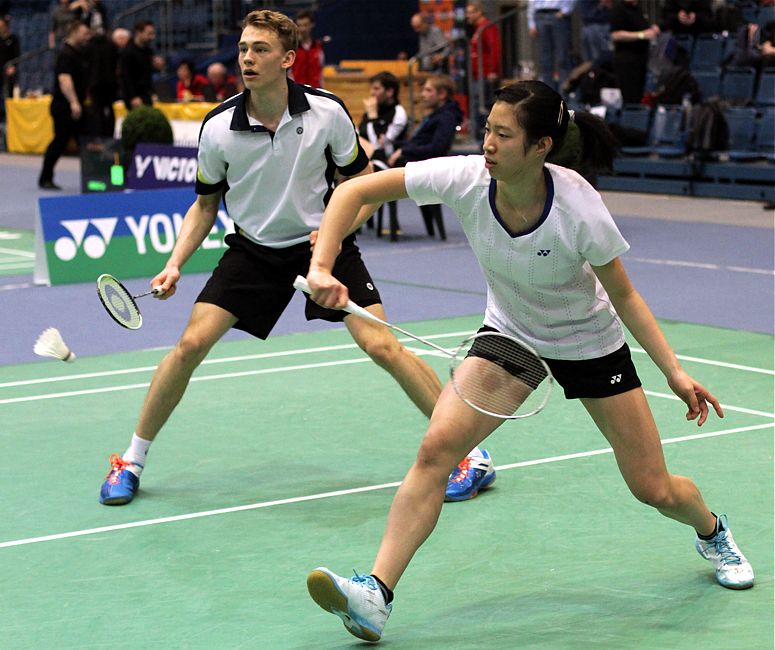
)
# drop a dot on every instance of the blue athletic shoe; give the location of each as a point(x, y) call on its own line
point(474, 473)
point(121, 483)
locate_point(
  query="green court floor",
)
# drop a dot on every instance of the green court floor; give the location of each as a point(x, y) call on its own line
point(285, 456)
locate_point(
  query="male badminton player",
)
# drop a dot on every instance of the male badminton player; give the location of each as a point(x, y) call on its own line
point(271, 152)
point(550, 251)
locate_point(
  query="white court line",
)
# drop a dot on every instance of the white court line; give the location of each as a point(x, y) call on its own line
point(339, 493)
point(701, 265)
point(18, 253)
point(710, 362)
point(206, 362)
point(269, 355)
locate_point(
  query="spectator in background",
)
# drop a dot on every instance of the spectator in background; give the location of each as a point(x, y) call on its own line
point(191, 85)
point(631, 35)
point(310, 59)
point(71, 71)
point(92, 13)
point(430, 39)
point(485, 41)
point(9, 50)
point(220, 84)
point(135, 64)
point(549, 23)
point(384, 121)
point(100, 119)
point(688, 17)
point(755, 46)
point(61, 17)
point(120, 37)
point(595, 28)
point(433, 138)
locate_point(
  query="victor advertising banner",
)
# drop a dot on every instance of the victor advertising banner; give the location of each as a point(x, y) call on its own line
point(129, 235)
point(162, 166)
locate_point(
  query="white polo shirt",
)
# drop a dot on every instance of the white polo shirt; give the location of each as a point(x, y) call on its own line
point(277, 184)
point(540, 286)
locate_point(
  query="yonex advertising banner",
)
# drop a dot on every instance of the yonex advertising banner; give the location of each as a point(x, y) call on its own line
point(162, 166)
point(128, 234)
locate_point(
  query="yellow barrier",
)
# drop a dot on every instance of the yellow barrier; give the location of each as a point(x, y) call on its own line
point(29, 127)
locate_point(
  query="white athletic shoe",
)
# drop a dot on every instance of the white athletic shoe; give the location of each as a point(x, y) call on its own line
point(732, 569)
point(357, 601)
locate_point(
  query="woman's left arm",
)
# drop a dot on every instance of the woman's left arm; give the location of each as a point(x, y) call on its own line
point(637, 316)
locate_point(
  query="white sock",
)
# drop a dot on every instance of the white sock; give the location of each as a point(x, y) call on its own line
point(137, 451)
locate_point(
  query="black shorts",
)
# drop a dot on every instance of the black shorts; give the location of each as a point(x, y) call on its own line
point(255, 283)
point(601, 377)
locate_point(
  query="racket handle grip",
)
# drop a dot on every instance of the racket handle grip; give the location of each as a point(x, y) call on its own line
point(301, 284)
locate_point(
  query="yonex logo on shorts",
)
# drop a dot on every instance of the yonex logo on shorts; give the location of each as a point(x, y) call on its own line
point(94, 245)
point(370, 286)
point(616, 379)
point(543, 252)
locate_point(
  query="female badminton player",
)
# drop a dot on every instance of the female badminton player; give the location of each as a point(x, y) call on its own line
point(550, 251)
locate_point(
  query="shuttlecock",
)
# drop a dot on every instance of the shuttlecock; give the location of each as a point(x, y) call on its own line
point(51, 344)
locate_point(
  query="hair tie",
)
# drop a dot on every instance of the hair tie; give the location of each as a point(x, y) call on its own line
point(571, 115)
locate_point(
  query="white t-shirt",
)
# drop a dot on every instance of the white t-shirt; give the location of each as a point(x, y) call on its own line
point(276, 184)
point(540, 286)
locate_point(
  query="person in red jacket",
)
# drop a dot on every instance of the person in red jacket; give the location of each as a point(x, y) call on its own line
point(485, 52)
point(308, 67)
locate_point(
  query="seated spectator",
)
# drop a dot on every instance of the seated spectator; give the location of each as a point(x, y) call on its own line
point(436, 133)
point(191, 85)
point(220, 84)
point(433, 138)
point(755, 46)
point(385, 120)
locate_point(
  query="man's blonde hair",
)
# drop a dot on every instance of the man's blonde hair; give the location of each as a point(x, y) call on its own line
point(280, 24)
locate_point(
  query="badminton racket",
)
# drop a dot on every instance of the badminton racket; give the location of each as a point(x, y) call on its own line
point(119, 303)
point(496, 374)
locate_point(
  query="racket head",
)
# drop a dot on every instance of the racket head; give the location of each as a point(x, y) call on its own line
point(501, 376)
point(118, 302)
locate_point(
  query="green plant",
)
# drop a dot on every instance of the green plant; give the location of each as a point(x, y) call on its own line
point(145, 124)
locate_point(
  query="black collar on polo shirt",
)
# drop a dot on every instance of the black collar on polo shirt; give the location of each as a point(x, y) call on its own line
point(297, 103)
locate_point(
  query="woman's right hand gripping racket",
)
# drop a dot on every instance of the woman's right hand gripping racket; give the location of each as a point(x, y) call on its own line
point(493, 373)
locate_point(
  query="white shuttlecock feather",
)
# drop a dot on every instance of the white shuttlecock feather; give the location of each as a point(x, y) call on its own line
point(51, 344)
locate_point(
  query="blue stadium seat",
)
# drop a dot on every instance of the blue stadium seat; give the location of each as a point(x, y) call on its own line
point(708, 52)
point(737, 85)
point(686, 41)
point(765, 134)
point(765, 95)
point(709, 82)
point(766, 15)
point(635, 117)
point(668, 131)
point(741, 121)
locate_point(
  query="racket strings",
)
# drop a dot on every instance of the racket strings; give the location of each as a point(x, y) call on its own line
point(118, 302)
point(496, 375)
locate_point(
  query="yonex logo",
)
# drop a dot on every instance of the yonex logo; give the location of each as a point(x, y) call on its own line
point(94, 245)
point(616, 379)
point(370, 286)
point(543, 252)
point(299, 130)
